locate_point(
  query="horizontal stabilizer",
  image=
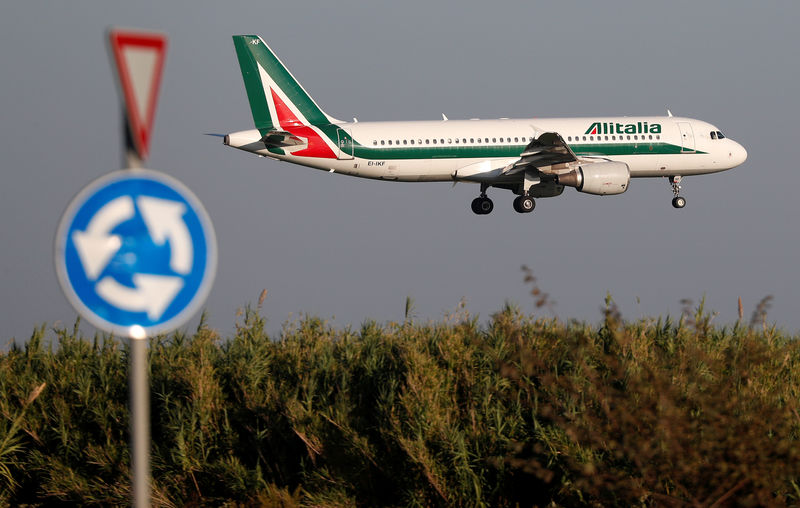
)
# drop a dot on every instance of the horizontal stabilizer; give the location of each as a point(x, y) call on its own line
point(282, 138)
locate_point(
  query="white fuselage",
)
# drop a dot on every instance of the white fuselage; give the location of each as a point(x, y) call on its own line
point(478, 150)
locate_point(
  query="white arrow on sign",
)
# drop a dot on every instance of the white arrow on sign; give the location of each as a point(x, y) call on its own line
point(96, 246)
point(151, 294)
point(164, 220)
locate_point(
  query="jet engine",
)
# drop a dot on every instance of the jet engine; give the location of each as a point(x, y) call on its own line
point(599, 178)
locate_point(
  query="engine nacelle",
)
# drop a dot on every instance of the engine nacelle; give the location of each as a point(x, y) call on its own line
point(600, 178)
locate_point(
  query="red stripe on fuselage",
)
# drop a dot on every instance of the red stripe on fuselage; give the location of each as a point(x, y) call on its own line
point(316, 145)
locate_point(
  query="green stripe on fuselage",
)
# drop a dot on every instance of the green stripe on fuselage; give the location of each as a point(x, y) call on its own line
point(509, 151)
point(604, 149)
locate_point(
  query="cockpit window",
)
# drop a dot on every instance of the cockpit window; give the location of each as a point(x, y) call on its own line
point(720, 135)
point(713, 135)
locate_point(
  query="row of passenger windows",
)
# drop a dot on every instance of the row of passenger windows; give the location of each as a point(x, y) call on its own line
point(628, 137)
point(476, 141)
point(450, 141)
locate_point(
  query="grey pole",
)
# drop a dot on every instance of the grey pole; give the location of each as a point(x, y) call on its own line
point(140, 422)
point(130, 157)
point(138, 380)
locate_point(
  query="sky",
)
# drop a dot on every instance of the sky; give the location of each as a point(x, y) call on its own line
point(348, 250)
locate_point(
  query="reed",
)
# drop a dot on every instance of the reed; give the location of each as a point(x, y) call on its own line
point(519, 410)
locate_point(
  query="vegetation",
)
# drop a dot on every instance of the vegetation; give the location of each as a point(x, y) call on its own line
point(518, 411)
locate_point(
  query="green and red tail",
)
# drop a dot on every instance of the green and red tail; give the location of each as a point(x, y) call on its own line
point(279, 103)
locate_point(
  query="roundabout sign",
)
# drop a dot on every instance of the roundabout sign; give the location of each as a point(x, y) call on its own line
point(136, 253)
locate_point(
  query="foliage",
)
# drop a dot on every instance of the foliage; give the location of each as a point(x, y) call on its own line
point(521, 411)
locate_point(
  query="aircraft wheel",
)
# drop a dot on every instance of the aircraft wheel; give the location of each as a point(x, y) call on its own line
point(524, 204)
point(679, 202)
point(476, 206)
point(486, 206)
point(482, 205)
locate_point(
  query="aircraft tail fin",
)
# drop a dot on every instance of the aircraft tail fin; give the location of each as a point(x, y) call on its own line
point(276, 98)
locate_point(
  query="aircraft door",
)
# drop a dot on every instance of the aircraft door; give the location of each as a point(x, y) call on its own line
point(687, 137)
point(345, 144)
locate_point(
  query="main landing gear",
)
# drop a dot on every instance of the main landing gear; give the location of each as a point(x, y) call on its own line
point(482, 205)
point(678, 201)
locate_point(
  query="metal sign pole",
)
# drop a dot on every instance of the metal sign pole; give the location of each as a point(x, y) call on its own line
point(138, 374)
point(140, 422)
point(130, 158)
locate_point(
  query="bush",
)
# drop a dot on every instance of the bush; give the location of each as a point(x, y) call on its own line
point(522, 411)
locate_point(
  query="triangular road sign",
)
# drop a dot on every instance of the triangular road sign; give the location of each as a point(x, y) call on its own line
point(139, 57)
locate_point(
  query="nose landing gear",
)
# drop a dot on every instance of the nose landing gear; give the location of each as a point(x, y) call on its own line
point(678, 201)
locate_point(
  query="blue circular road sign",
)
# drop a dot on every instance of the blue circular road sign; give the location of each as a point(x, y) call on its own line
point(135, 253)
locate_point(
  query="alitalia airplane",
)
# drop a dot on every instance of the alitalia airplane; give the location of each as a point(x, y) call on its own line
point(532, 157)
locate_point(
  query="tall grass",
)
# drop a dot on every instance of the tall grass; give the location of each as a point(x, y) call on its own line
point(518, 411)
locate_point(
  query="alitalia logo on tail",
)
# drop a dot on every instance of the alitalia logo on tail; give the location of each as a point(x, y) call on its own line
point(624, 128)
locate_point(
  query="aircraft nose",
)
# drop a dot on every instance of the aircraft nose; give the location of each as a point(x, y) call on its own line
point(738, 154)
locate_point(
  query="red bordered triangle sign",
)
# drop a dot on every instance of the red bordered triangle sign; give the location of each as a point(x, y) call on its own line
point(139, 57)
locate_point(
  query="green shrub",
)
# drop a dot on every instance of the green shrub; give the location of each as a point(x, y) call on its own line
point(521, 411)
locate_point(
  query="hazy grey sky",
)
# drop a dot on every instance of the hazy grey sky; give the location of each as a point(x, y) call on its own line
point(348, 249)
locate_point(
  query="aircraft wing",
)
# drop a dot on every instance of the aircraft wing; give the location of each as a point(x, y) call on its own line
point(281, 138)
point(546, 150)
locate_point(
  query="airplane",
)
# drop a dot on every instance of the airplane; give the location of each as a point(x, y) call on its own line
point(532, 157)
